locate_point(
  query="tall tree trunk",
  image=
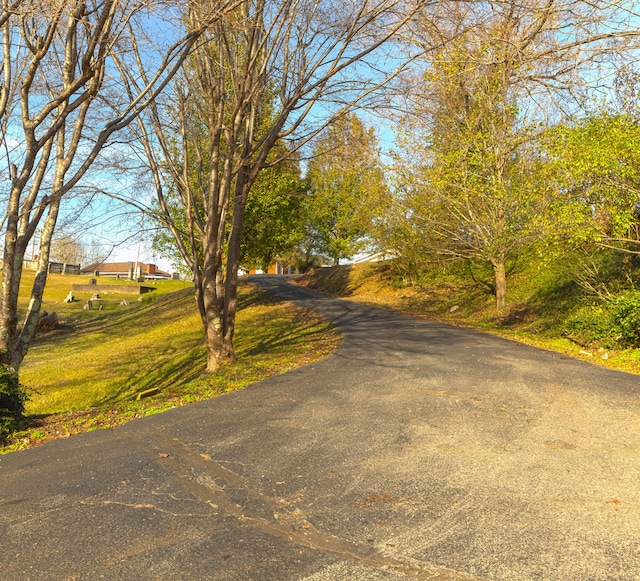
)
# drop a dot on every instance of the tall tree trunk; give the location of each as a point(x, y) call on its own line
point(32, 317)
point(243, 185)
point(213, 320)
point(214, 342)
point(11, 274)
point(501, 284)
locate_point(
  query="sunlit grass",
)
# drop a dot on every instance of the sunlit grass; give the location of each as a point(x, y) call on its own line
point(114, 358)
point(58, 287)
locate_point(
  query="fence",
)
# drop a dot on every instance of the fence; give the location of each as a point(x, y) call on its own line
point(54, 267)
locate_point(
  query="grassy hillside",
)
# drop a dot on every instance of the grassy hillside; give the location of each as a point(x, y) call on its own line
point(101, 368)
point(58, 286)
point(547, 306)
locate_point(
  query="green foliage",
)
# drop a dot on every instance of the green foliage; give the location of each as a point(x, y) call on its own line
point(611, 325)
point(470, 184)
point(12, 401)
point(594, 164)
point(275, 217)
point(626, 317)
point(347, 186)
point(592, 324)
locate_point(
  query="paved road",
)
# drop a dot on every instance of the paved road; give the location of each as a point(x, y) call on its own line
point(416, 451)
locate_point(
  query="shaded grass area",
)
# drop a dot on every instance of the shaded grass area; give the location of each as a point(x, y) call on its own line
point(91, 373)
point(544, 302)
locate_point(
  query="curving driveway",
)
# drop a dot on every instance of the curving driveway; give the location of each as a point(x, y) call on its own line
point(416, 451)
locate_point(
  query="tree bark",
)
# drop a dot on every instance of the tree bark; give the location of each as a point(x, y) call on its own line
point(501, 284)
point(214, 343)
point(213, 321)
point(32, 318)
point(233, 265)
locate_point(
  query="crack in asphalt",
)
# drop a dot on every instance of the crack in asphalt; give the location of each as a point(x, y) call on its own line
point(416, 451)
point(200, 476)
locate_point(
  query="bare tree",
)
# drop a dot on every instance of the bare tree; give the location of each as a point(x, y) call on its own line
point(60, 105)
point(67, 249)
point(94, 252)
point(269, 71)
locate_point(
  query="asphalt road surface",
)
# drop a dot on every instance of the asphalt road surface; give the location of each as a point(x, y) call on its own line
point(416, 451)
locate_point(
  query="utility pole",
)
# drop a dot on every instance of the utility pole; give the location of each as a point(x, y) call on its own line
point(136, 270)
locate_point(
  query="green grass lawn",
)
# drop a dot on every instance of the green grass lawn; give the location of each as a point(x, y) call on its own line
point(115, 356)
point(91, 372)
point(58, 287)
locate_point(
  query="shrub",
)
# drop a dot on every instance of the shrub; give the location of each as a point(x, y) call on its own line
point(12, 400)
point(593, 324)
point(626, 315)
